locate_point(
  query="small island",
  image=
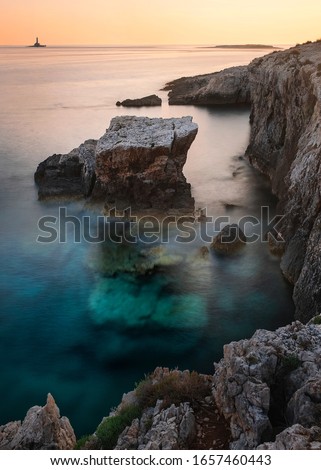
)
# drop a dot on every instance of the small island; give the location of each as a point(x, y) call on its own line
point(241, 46)
point(37, 44)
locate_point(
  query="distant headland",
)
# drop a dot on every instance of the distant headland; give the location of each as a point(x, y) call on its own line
point(242, 46)
point(37, 44)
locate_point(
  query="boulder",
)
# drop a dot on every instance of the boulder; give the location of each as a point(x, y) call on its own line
point(151, 100)
point(42, 428)
point(230, 240)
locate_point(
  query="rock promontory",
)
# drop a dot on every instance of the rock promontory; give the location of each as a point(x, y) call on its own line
point(137, 163)
point(42, 429)
point(228, 87)
point(150, 100)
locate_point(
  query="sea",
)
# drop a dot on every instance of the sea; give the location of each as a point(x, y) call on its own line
point(70, 323)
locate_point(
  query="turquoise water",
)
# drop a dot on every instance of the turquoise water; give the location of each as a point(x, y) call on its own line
point(67, 326)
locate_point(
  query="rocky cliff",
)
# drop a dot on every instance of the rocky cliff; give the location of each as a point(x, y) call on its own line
point(138, 162)
point(284, 89)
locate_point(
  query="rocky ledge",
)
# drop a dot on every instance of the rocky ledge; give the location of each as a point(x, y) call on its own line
point(284, 89)
point(138, 162)
point(151, 100)
point(230, 86)
point(42, 429)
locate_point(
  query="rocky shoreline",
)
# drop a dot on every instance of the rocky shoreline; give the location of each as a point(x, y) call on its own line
point(266, 391)
point(284, 91)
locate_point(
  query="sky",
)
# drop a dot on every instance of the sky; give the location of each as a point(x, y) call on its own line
point(148, 22)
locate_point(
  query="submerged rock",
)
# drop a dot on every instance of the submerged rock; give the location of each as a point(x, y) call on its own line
point(151, 100)
point(230, 240)
point(42, 428)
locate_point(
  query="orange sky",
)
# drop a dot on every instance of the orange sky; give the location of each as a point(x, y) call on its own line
point(159, 21)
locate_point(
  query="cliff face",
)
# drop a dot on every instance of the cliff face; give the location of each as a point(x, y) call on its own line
point(285, 144)
point(284, 89)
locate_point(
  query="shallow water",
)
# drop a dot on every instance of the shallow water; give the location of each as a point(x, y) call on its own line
point(68, 327)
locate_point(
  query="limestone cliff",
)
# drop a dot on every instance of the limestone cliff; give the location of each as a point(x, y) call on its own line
point(284, 89)
point(285, 144)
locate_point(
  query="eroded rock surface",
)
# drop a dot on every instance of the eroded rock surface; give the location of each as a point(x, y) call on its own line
point(42, 428)
point(270, 382)
point(230, 86)
point(139, 162)
point(159, 428)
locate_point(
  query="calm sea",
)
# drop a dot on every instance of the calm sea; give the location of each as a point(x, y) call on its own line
point(68, 328)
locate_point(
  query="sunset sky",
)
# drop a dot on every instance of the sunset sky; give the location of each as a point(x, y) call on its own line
point(159, 21)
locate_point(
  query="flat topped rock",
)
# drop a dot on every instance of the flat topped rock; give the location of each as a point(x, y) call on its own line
point(139, 163)
point(151, 100)
point(143, 132)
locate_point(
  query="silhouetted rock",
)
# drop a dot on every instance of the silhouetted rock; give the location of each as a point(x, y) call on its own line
point(151, 100)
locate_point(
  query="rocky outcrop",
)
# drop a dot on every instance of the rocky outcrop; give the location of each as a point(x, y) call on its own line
point(70, 175)
point(269, 383)
point(138, 162)
point(159, 428)
point(296, 437)
point(231, 239)
point(42, 428)
point(230, 86)
point(151, 100)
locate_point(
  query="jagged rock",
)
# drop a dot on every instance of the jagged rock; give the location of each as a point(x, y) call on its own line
point(151, 100)
point(70, 175)
point(305, 405)
point(42, 428)
point(139, 163)
point(167, 429)
point(296, 437)
point(260, 380)
point(230, 240)
point(230, 86)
